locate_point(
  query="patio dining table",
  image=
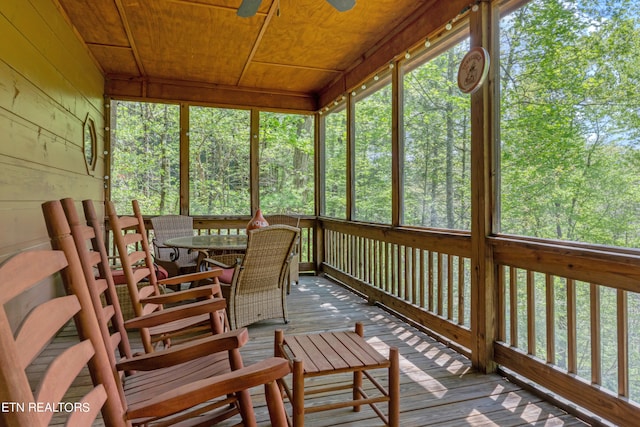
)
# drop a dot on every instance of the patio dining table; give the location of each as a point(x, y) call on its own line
point(210, 244)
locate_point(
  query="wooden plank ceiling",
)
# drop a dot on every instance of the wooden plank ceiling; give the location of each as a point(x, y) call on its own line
point(299, 50)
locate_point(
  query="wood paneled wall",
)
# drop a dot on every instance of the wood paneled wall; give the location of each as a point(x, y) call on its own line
point(48, 85)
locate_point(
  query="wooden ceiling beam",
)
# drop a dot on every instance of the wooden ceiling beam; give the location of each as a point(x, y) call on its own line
point(299, 67)
point(272, 12)
point(125, 87)
point(132, 43)
point(211, 6)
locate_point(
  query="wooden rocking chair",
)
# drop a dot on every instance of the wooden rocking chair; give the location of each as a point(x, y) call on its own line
point(130, 236)
point(204, 378)
point(18, 275)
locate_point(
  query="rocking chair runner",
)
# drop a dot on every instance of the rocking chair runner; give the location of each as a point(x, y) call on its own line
point(204, 378)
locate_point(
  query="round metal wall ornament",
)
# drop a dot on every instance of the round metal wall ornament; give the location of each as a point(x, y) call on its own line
point(473, 70)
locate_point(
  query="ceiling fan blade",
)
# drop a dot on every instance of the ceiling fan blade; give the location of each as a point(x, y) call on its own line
point(342, 5)
point(248, 8)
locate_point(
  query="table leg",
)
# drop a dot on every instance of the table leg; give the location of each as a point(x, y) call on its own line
point(357, 375)
point(394, 387)
point(298, 393)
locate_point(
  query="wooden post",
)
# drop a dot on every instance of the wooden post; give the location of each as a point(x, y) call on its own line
point(320, 179)
point(484, 114)
point(184, 159)
point(351, 155)
point(254, 168)
point(394, 387)
point(397, 146)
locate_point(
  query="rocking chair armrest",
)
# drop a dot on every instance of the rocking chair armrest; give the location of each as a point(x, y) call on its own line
point(208, 291)
point(187, 396)
point(160, 317)
point(189, 351)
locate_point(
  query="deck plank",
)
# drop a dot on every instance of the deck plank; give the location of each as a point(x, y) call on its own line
point(438, 386)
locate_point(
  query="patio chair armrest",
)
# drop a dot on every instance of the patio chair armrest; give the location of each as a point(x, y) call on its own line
point(208, 291)
point(188, 351)
point(167, 315)
point(191, 277)
point(224, 261)
point(187, 396)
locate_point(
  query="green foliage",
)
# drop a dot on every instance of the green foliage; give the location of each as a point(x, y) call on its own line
point(219, 147)
point(569, 125)
point(569, 159)
point(373, 157)
point(145, 157)
point(146, 160)
point(286, 163)
point(436, 144)
point(335, 177)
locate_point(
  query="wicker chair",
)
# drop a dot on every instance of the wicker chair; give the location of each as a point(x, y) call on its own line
point(174, 260)
point(258, 288)
point(294, 268)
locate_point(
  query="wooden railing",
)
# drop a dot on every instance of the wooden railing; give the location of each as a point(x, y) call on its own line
point(569, 319)
point(422, 275)
point(568, 315)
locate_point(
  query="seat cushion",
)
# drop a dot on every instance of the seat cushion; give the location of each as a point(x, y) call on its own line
point(226, 276)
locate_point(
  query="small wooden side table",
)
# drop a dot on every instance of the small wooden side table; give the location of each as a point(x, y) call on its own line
point(335, 353)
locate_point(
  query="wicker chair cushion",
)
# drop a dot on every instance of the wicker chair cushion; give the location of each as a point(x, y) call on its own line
point(227, 275)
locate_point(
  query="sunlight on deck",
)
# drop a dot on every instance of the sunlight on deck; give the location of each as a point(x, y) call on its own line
point(419, 376)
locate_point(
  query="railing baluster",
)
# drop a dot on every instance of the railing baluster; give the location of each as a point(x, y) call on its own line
point(440, 286)
point(572, 327)
point(531, 314)
point(431, 284)
point(449, 287)
point(408, 254)
point(513, 307)
point(461, 290)
point(596, 338)
point(421, 282)
point(501, 318)
point(551, 319)
point(623, 344)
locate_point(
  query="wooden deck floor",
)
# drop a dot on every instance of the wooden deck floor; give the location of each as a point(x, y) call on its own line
point(438, 385)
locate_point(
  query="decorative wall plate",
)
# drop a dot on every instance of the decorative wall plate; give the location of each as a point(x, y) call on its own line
point(473, 70)
point(90, 144)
